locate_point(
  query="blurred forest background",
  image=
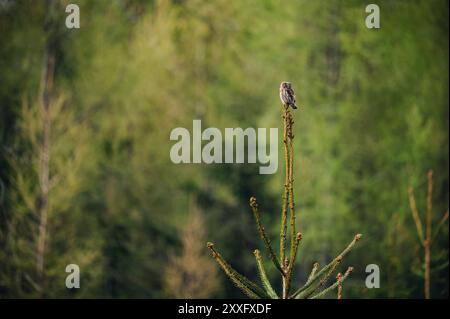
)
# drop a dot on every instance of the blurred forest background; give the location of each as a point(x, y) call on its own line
point(373, 120)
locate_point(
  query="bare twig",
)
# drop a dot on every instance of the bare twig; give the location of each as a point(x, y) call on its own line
point(427, 240)
point(429, 204)
point(339, 280)
point(440, 224)
point(415, 214)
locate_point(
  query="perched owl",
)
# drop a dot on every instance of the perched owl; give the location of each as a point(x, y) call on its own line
point(287, 95)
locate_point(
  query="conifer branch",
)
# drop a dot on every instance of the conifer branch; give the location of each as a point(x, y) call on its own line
point(324, 272)
point(302, 291)
point(336, 284)
point(290, 123)
point(350, 246)
point(290, 268)
point(262, 233)
point(240, 281)
point(284, 205)
point(313, 273)
point(263, 276)
point(318, 282)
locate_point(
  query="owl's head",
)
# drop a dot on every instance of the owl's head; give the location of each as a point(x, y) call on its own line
point(285, 85)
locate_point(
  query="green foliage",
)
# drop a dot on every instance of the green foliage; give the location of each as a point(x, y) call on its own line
point(376, 122)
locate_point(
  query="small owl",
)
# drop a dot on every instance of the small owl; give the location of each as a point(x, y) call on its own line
point(287, 95)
